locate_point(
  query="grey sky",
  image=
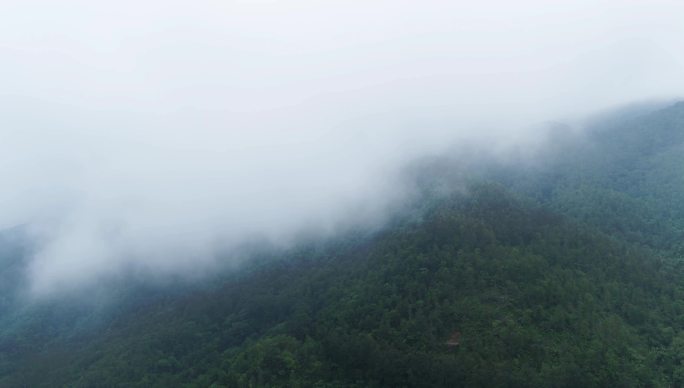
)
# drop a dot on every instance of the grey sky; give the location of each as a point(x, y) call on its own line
point(151, 133)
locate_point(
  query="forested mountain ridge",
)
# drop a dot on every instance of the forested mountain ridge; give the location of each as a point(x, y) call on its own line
point(561, 274)
point(624, 176)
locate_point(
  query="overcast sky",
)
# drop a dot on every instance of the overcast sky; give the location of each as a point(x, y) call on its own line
point(153, 133)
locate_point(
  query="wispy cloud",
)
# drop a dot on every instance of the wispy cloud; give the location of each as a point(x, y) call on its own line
point(155, 134)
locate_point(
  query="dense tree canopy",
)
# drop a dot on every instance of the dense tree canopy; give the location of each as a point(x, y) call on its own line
point(561, 274)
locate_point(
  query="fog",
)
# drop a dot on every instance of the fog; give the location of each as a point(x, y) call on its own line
point(157, 136)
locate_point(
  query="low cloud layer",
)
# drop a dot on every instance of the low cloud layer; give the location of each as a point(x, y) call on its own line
point(153, 135)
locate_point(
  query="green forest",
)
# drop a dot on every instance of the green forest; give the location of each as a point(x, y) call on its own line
point(560, 268)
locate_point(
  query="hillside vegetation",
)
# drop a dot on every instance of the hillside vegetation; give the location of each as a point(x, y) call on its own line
point(564, 272)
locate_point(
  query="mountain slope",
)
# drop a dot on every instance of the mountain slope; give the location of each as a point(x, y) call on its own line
point(623, 176)
point(564, 273)
point(537, 299)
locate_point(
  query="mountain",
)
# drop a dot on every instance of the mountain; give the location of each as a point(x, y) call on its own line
point(624, 177)
point(562, 270)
